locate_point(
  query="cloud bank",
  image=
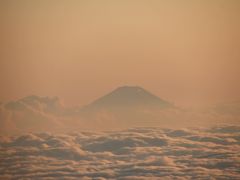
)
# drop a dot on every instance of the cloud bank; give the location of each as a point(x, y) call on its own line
point(136, 153)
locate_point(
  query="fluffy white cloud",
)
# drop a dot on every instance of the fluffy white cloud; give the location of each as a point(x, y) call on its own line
point(137, 153)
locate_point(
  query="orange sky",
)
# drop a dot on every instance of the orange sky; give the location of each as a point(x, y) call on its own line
point(182, 50)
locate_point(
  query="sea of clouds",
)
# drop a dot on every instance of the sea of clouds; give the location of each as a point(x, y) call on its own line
point(136, 153)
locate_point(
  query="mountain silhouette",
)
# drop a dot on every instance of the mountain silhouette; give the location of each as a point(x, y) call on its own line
point(128, 97)
point(124, 106)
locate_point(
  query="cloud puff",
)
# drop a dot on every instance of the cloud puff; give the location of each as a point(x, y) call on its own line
point(136, 153)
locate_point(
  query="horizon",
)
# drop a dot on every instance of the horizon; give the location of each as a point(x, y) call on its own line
point(122, 107)
point(80, 103)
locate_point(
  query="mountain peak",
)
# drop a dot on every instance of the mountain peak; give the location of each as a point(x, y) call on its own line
point(129, 96)
point(128, 87)
point(135, 89)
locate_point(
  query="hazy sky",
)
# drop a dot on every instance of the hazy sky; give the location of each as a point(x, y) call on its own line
point(185, 51)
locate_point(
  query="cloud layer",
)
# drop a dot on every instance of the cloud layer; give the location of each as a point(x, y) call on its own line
point(137, 153)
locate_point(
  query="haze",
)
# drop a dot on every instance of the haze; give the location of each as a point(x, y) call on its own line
point(184, 51)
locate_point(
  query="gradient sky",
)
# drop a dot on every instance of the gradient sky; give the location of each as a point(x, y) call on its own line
point(185, 51)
